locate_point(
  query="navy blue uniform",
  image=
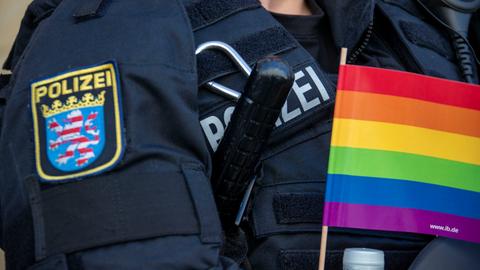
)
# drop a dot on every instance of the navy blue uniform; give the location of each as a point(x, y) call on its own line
point(106, 139)
point(104, 165)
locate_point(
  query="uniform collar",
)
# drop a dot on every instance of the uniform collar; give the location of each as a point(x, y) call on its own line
point(301, 25)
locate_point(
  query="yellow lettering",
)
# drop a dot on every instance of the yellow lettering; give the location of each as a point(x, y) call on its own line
point(86, 80)
point(54, 90)
point(75, 84)
point(40, 92)
point(109, 78)
point(65, 90)
point(99, 80)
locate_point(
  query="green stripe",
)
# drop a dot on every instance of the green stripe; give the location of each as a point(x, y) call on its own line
point(396, 165)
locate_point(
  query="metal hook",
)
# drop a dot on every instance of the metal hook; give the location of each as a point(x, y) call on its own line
point(235, 57)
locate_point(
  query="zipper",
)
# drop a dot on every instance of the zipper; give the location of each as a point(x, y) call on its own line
point(360, 48)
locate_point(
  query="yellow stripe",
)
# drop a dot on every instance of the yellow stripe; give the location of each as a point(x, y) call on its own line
point(406, 139)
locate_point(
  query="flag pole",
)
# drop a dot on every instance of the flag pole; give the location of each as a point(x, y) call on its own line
point(323, 242)
point(323, 248)
point(343, 56)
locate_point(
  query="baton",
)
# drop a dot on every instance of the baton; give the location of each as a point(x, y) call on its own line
point(237, 156)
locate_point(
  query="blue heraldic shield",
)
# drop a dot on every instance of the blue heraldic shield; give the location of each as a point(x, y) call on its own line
point(77, 120)
point(75, 138)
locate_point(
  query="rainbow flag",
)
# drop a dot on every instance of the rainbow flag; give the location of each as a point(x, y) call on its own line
point(405, 154)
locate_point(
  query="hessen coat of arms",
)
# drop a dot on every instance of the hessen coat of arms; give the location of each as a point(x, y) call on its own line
point(75, 131)
point(77, 123)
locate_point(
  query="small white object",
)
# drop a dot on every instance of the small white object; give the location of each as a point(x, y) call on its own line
point(363, 259)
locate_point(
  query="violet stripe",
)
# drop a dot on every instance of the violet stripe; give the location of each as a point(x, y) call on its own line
point(400, 219)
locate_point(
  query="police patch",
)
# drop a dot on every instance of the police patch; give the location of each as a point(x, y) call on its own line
point(77, 122)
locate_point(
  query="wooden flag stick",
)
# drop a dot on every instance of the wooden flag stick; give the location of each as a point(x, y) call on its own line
point(323, 243)
point(323, 248)
point(343, 56)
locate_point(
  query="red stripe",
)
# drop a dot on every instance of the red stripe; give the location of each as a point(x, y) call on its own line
point(53, 125)
point(411, 85)
point(69, 131)
point(85, 150)
point(81, 161)
point(79, 140)
point(75, 119)
point(67, 154)
point(92, 116)
point(54, 145)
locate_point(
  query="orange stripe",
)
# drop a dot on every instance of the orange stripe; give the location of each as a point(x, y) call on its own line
point(407, 111)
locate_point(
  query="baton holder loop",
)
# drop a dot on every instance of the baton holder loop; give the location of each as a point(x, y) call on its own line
point(237, 60)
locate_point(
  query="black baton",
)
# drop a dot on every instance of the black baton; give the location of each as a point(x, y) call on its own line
point(237, 156)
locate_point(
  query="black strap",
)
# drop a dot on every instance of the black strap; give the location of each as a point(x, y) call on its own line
point(270, 220)
point(299, 259)
point(212, 64)
point(305, 207)
point(116, 207)
point(205, 12)
point(200, 192)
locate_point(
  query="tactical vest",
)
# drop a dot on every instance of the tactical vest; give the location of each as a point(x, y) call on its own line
point(157, 70)
point(286, 208)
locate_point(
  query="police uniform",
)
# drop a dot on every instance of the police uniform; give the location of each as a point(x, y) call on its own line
point(283, 225)
point(105, 163)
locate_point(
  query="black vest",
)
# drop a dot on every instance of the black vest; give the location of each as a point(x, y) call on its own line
point(157, 192)
point(286, 208)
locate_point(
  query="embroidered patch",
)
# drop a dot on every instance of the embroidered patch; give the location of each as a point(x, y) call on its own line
point(77, 122)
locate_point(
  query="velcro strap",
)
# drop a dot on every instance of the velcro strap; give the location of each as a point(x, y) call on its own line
point(264, 216)
point(308, 260)
point(291, 208)
point(89, 9)
point(299, 259)
point(133, 204)
point(212, 63)
point(205, 12)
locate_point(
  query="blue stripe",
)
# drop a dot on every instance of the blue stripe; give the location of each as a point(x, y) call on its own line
point(401, 193)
